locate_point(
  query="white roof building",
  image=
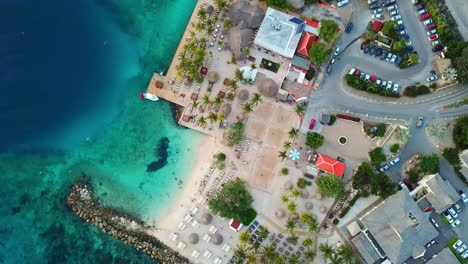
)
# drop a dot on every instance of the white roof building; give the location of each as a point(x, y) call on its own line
point(280, 33)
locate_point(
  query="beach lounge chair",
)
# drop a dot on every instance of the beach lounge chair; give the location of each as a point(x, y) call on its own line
point(201, 200)
point(173, 236)
point(207, 254)
point(181, 245)
point(194, 209)
point(188, 218)
point(213, 229)
point(195, 224)
point(217, 260)
point(181, 226)
point(207, 238)
point(195, 253)
point(226, 247)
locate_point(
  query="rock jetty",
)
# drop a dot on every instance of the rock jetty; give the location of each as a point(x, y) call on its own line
point(130, 230)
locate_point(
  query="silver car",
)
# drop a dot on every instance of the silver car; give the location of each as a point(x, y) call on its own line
point(389, 85)
point(431, 32)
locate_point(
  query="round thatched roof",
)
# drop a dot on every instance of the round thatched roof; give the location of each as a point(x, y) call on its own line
point(268, 87)
point(243, 95)
point(193, 238)
point(210, 9)
point(323, 209)
point(217, 239)
point(280, 213)
point(319, 196)
point(213, 77)
point(304, 194)
point(251, 15)
point(288, 185)
point(297, 4)
point(226, 109)
point(309, 205)
point(206, 218)
point(188, 81)
point(239, 39)
point(295, 216)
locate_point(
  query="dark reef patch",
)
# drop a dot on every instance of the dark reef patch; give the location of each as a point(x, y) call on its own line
point(162, 153)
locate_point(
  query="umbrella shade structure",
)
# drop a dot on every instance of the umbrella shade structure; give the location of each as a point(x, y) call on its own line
point(304, 194)
point(295, 216)
point(268, 87)
point(193, 238)
point(294, 154)
point(206, 218)
point(210, 10)
point(288, 185)
point(217, 239)
point(213, 77)
point(280, 213)
point(226, 109)
point(243, 95)
point(309, 205)
point(323, 209)
point(319, 196)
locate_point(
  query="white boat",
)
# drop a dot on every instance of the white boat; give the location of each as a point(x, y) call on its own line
point(148, 96)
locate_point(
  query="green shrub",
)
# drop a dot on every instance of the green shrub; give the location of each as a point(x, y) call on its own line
point(381, 129)
point(357, 83)
point(355, 198)
point(336, 221)
point(429, 164)
point(344, 212)
point(247, 217)
point(460, 132)
point(377, 157)
point(451, 155)
point(332, 120)
point(302, 183)
point(413, 91)
point(365, 193)
point(284, 171)
point(394, 148)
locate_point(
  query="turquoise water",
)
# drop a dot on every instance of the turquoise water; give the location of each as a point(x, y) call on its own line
point(102, 129)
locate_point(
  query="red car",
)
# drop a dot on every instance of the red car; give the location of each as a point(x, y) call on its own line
point(373, 78)
point(433, 37)
point(430, 26)
point(357, 72)
point(312, 124)
point(424, 16)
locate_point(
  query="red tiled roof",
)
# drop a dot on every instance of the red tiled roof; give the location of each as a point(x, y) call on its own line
point(376, 26)
point(306, 43)
point(312, 23)
point(330, 165)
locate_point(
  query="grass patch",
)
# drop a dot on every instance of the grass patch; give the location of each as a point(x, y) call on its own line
point(370, 87)
point(269, 65)
point(454, 251)
point(413, 91)
point(444, 219)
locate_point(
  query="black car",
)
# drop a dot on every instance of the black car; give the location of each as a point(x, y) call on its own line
point(409, 48)
point(388, 2)
point(329, 70)
point(366, 49)
point(378, 52)
point(372, 50)
point(384, 54)
point(374, 6)
point(420, 7)
point(437, 48)
point(400, 27)
point(349, 27)
point(309, 176)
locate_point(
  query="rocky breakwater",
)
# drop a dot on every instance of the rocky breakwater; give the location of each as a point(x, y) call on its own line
point(130, 230)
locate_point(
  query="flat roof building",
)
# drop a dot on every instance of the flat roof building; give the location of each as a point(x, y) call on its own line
point(440, 194)
point(446, 256)
point(280, 32)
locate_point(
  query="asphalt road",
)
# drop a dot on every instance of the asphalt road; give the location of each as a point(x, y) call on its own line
point(330, 95)
point(459, 9)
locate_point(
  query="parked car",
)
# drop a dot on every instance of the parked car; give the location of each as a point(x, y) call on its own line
point(452, 212)
point(433, 37)
point(389, 85)
point(396, 87)
point(435, 42)
point(457, 207)
point(378, 52)
point(437, 48)
point(422, 11)
point(374, 6)
point(389, 56)
point(463, 196)
point(405, 36)
point(378, 82)
point(395, 160)
point(337, 51)
point(415, 2)
point(449, 217)
point(373, 78)
point(409, 48)
point(399, 22)
point(432, 78)
point(394, 12)
point(377, 11)
point(384, 54)
point(371, 1)
point(378, 16)
point(357, 72)
point(367, 77)
point(455, 223)
point(393, 7)
point(402, 32)
point(461, 248)
point(398, 61)
point(434, 222)
point(329, 70)
point(457, 244)
point(372, 50)
point(384, 168)
point(352, 71)
point(427, 22)
point(392, 60)
point(397, 17)
point(424, 16)
point(349, 27)
point(464, 255)
point(388, 2)
point(312, 123)
point(400, 27)
point(309, 176)
point(366, 49)
point(431, 32)
point(384, 84)
point(420, 121)
point(362, 76)
point(342, 3)
point(332, 61)
point(408, 43)
point(430, 26)
point(419, 7)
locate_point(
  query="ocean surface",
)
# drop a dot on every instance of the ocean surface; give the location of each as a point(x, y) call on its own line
point(70, 77)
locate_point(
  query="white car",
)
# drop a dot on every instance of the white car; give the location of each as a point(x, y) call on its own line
point(399, 22)
point(422, 11)
point(394, 13)
point(367, 77)
point(464, 255)
point(396, 160)
point(461, 248)
point(431, 32)
point(390, 8)
point(435, 42)
point(378, 11)
point(393, 59)
point(378, 82)
point(463, 196)
point(403, 32)
point(456, 222)
point(457, 207)
point(449, 218)
point(452, 212)
point(409, 43)
point(378, 16)
point(389, 85)
point(343, 3)
point(432, 78)
point(371, 1)
point(427, 22)
point(384, 84)
point(397, 17)
point(457, 244)
point(395, 90)
point(434, 222)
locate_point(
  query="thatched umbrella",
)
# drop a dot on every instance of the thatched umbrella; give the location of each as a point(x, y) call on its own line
point(304, 194)
point(295, 216)
point(206, 218)
point(213, 77)
point(217, 239)
point(309, 205)
point(280, 213)
point(288, 185)
point(210, 10)
point(226, 109)
point(319, 196)
point(243, 95)
point(193, 238)
point(268, 87)
point(323, 209)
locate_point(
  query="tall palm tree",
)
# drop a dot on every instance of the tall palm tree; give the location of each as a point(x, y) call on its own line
point(292, 206)
point(233, 85)
point(252, 258)
point(244, 237)
point(280, 260)
point(202, 13)
point(206, 99)
point(290, 224)
point(227, 23)
point(295, 193)
point(230, 97)
point(212, 117)
point(327, 250)
point(306, 217)
point(309, 255)
point(269, 254)
point(294, 259)
point(282, 154)
point(256, 98)
point(287, 145)
point(218, 100)
point(195, 104)
point(308, 242)
point(221, 116)
point(240, 253)
point(247, 108)
point(198, 27)
point(293, 132)
point(263, 232)
point(201, 121)
point(284, 198)
point(346, 254)
point(239, 74)
point(299, 109)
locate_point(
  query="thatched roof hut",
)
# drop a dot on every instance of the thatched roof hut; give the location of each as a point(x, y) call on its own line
point(243, 95)
point(288, 185)
point(309, 205)
point(268, 87)
point(239, 39)
point(210, 10)
point(304, 194)
point(226, 109)
point(280, 213)
point(217, 239)
point(247, 14)
point(193, 238)
point(206, 218)
point(323, 209)
point(213, 76)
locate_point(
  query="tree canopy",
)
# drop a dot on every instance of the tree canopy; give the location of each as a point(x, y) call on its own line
point(460, 132)
point(314, 140)
point(318, 53)
point(429, 164)
point(235, 134)
point(233, 201)
point(328, 30)
point(331, 186)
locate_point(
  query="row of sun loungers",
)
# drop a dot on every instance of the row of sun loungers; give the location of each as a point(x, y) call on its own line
point(205, 180)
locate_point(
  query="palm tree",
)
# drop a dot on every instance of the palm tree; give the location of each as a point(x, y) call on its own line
point(327, 250)
point(256, 98)
point(294, 259)
point(230, 97)
point(244, 237)
point(221, 116)
point(292, 206)
point(287, 145)
point(240, 253)
point(198, 27)
point(290, 224)
point(253, 65)
point(195, 104)
point(335, 259)
point(284, 198)
point(239, 74)
point(212, 117)
point(308, 242)
point(192, 34)
point(233, 84)
point(293, 238)
point(282, 155)
point(263, 232)
point(313, 225)
point(218, 100)
point(202, 13)
point(206, 99)
point(252, 258)
point(221, 4)
point(247, 108)
point(281, 260)
point(309, 255)
point(299, 109)
point(293, 132)
point(306, 217)
point(295, 193)
point(346, 253)
point(201, 121)
point(269, 254)
point(227, 23)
